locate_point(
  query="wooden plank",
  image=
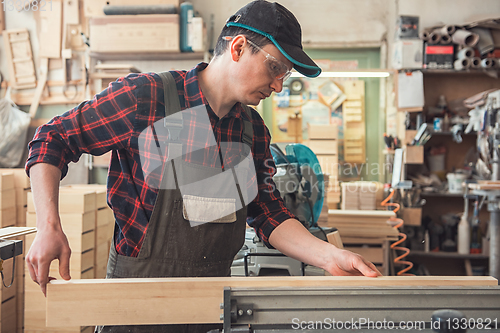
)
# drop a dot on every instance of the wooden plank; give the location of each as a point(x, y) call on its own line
point(40, 86)
point(71, 201)
point(22, 197)
point(372, 254)
point(75, 224)
point(11, 232)
point(100, 190)
point(21, 216)
point(322, 132)
point(6, 180)
point(21, 180)
point(9, 320)
point(50, 27)
point(8, 217)
point(7, 293)
point(2, 20)
point(362, 213)
point(323, 147)
point(191, 300)
point(7, 199)
point(334, 238)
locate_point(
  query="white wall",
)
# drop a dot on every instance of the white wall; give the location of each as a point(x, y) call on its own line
point(338, 23)
point(330, 23)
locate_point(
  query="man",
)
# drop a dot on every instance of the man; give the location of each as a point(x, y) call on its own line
point(254, 54)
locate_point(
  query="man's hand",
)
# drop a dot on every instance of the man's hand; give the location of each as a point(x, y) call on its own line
point(348, 263)
point(50, 241)
point(293, 240)
point(49, 244)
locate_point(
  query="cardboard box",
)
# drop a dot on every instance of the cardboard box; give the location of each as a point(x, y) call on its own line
point(438, 56)
point(407, 53)
point(135, 33)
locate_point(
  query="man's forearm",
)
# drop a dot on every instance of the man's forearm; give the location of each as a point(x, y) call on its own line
point(294, 240)
point(45, 180)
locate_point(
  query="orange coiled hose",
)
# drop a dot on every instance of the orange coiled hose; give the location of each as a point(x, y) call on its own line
point(402, 237)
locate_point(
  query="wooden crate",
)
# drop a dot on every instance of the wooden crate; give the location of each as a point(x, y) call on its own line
point(8, 217)
point(323, 147)
point(21, 180)
point(9, 316)
point(6, 180)
point(7, 293)
point(7, 199)
point(71, 201)
point(322, 132)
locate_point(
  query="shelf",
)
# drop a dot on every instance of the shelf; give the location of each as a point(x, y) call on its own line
point(480, 71)
point(442, 194)
point(148, 56)
point(449, 133)
point(489, 72)
point(450, 255)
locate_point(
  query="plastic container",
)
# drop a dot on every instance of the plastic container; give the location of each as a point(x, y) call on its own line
point(463, 236)
point(455, 181)
point(185, 25)
point(436, 162)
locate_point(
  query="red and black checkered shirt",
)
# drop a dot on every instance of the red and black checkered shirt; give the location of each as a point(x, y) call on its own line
point(113, 121)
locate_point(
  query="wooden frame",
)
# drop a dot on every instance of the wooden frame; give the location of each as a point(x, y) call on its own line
point(191, 300)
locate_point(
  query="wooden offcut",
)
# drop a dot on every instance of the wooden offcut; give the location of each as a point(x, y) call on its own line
point(11, 232)
point(19, 58)
point(192, 300)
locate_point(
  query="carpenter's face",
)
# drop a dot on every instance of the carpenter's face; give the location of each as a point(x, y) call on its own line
point(263, 72)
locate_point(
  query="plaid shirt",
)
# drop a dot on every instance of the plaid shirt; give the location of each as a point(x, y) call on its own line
point(115, 118)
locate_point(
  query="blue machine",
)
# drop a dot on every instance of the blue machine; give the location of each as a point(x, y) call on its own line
point(301, 184)
point(300, 181)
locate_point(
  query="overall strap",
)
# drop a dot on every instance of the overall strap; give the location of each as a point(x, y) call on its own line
point(247, 136)
point(173, 118)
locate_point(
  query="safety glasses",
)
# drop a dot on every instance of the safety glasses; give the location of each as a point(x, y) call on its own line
point(276, 68)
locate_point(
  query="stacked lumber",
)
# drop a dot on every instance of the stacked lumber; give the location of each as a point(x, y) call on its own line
point(8, 302)
point(77, 210)
point(104, 228)
point(7, 199)
point(353, 111)
point(362, 227)
point(323, 141)
point(362, 195)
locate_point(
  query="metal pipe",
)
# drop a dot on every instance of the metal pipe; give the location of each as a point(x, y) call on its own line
point(495, 211)
point(495, 244)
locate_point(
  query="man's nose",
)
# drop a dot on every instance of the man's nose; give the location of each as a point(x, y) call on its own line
point(277, 85)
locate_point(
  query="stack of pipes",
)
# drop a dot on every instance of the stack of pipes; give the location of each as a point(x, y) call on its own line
point(467, 40)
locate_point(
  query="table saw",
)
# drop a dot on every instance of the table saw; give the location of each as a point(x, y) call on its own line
point(281, 304)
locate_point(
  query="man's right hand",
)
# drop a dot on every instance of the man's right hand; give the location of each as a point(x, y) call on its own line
point(50, 241)
point(49, 244)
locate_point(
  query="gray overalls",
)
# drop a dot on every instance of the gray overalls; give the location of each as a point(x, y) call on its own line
point(174, 248)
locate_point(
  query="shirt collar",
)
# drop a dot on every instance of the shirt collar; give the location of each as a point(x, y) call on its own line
point(191, 83)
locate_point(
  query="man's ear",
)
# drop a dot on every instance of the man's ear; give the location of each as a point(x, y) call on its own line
point(237, 47)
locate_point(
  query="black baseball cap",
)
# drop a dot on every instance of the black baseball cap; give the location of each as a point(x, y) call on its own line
point(277, 23)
